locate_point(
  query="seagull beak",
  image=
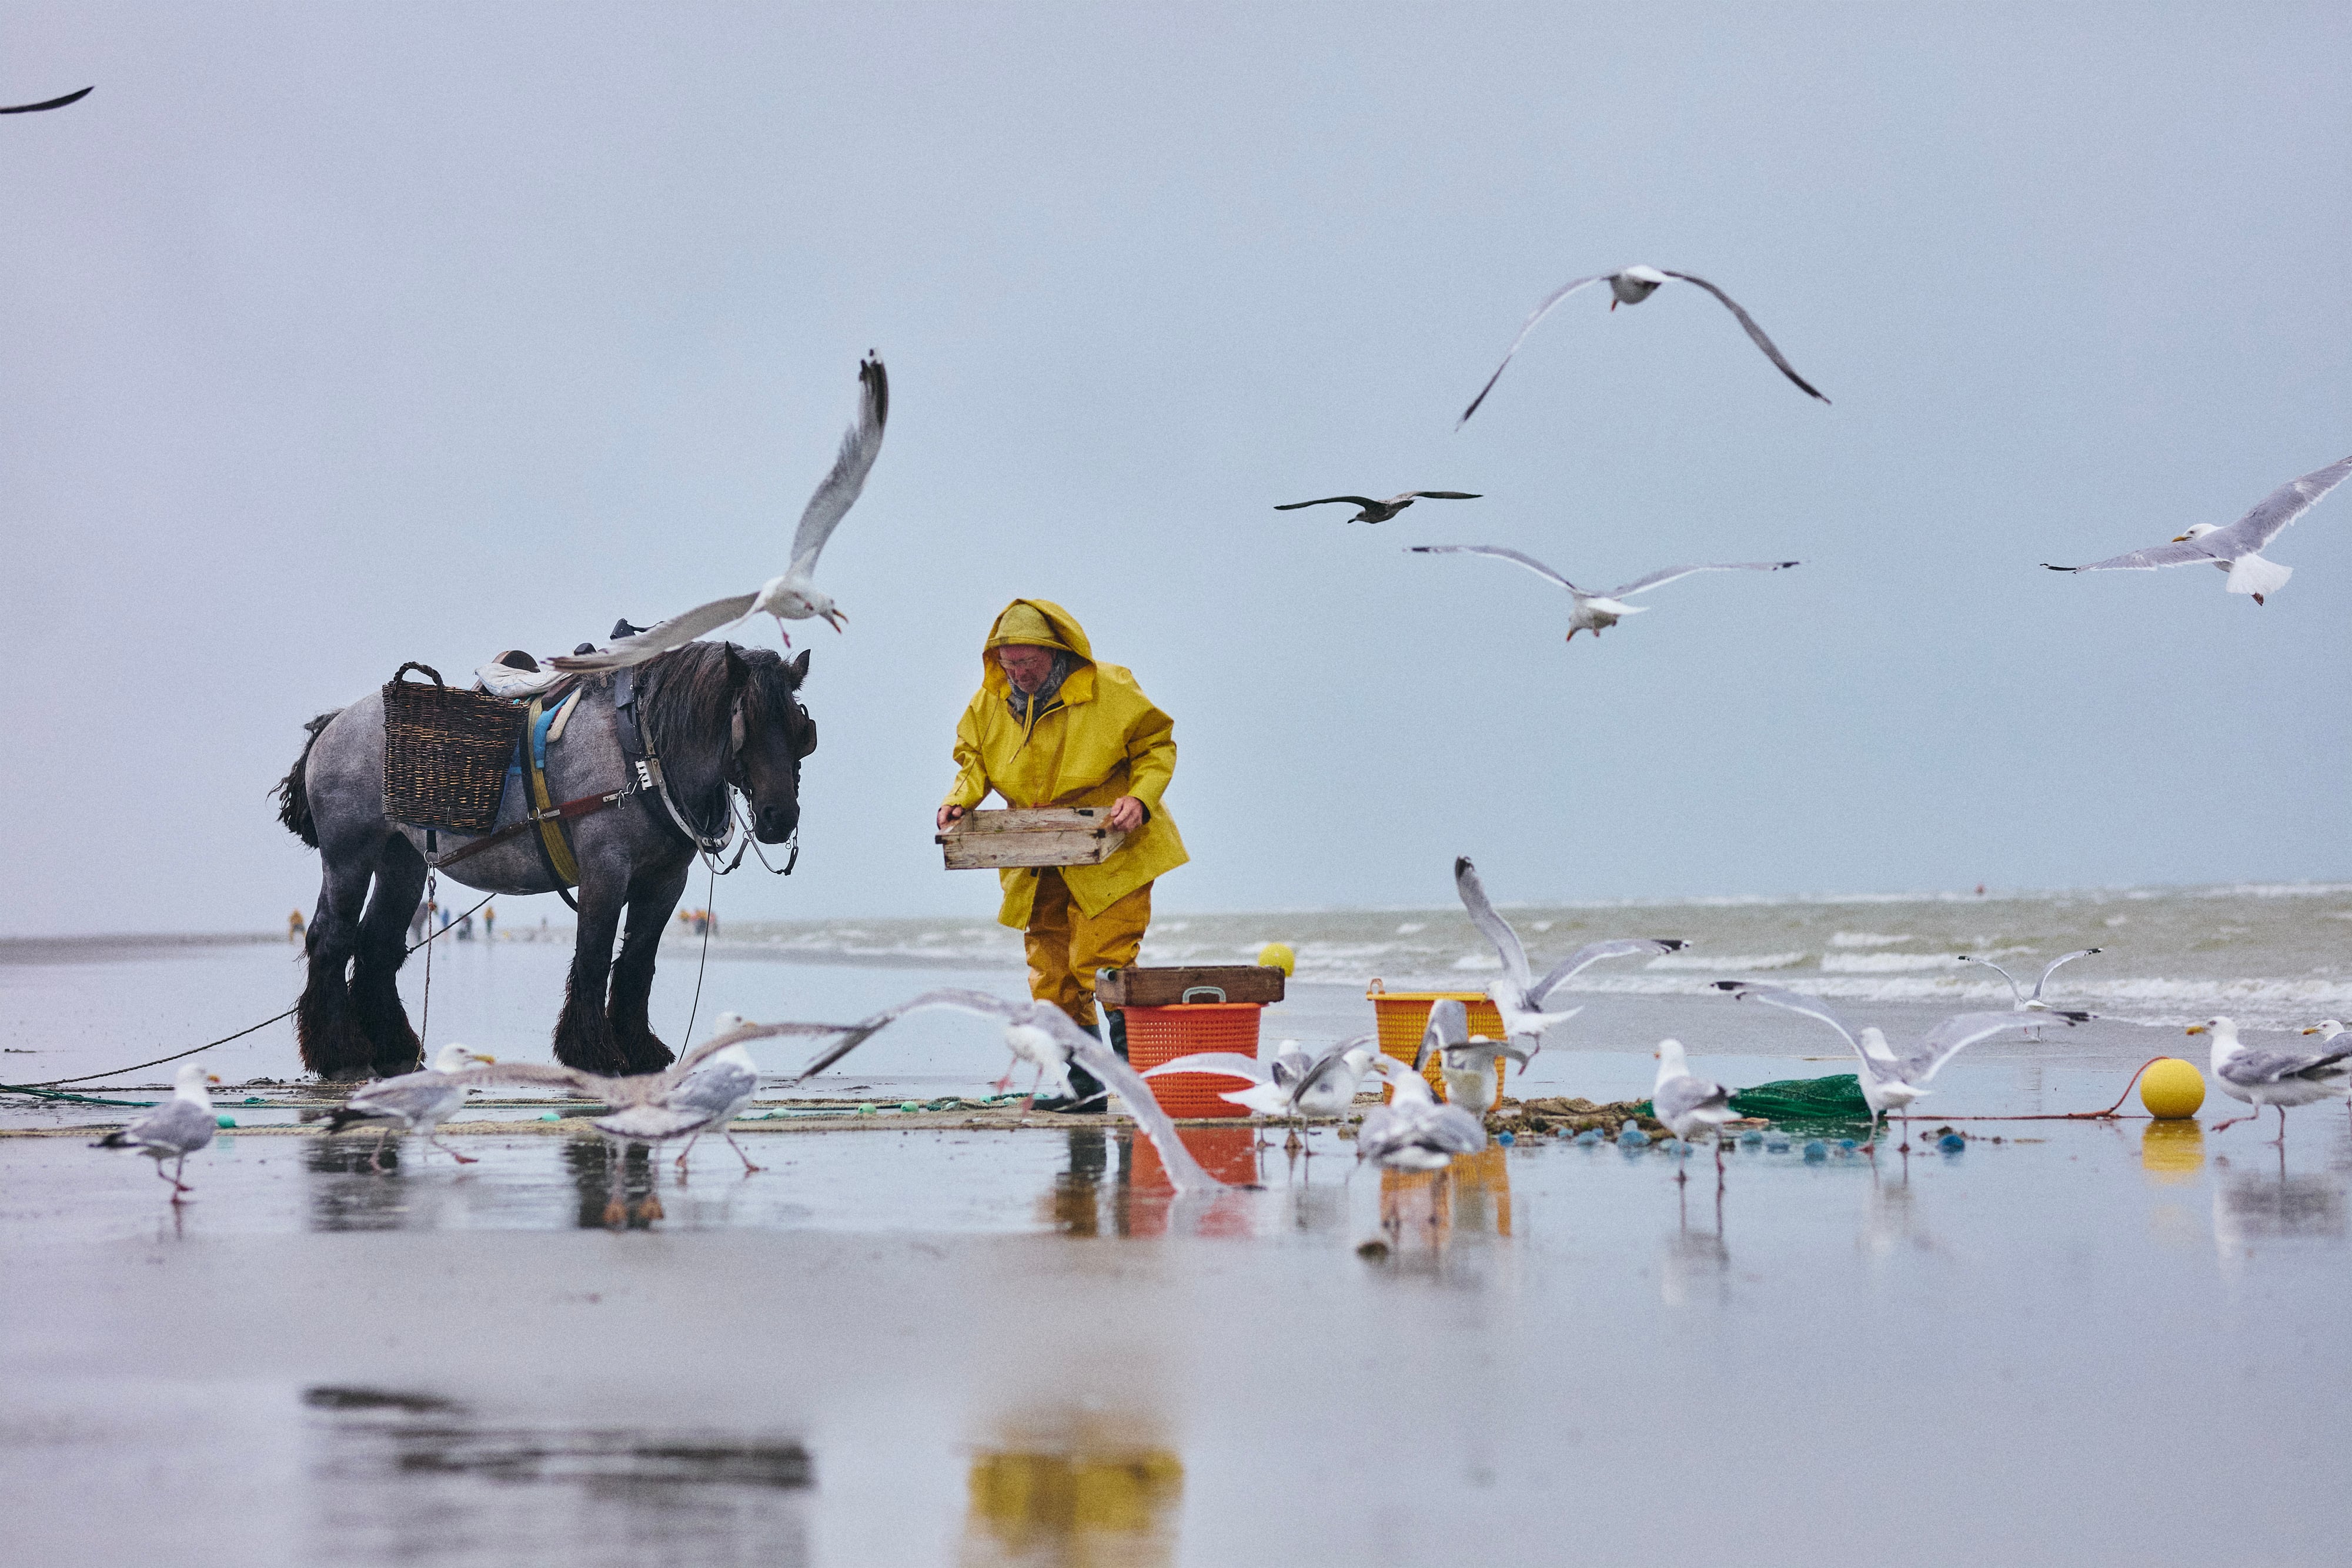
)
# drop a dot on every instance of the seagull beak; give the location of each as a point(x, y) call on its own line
point(2197, 1028)
point(485, 1060)
point(212, 1078)
point(2312, 1030)
point(2180, 538)
point(837, 618)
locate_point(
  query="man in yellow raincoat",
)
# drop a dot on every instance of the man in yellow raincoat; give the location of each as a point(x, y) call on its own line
point(1050, 727)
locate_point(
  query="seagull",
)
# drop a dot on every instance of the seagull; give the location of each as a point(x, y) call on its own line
point(2328, 1029)
point(2236, 550)
point(1292, 1082)
point(1631, 286)
point(1889, 1081)
point(1596, 611)
point(1466, 1065)
point(1686, 1103)
point(2275, 1077)
point(1381, 511)
point(1413, 1132)
point(1519, 998)
point(712, 1095)
point(53, 103)
point(412, 1103)
point(794, 596)
point(172, 1130)
point(1040, 1028)
point(2031, 1004)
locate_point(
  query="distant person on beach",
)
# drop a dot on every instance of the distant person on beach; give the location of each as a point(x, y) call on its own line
point(489, 921)
point(1050, 727)
point(294, 926)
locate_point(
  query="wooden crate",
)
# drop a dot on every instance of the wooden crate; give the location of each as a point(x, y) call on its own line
point(1167, 988)
point(1045, 835)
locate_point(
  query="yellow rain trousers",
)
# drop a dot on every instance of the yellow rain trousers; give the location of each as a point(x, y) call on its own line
point(1096, 738)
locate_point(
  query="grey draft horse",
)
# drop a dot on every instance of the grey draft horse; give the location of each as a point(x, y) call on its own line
point(721, 716)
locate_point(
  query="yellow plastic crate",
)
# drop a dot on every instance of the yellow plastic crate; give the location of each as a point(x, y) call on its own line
point(1402, 1017)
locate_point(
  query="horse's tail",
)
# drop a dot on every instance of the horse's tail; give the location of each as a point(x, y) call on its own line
point(294, 795)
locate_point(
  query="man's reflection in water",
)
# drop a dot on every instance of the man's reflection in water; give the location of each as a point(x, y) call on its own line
point(1074, 1205)
point(615, 1183)
point(1073, 1489)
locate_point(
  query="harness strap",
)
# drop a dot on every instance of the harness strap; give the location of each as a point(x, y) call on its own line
point(549, 817)
point(565, 812)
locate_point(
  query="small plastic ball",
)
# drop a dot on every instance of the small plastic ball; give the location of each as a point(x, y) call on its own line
point(2172, 1089)
point(1951, 1142)
point(1278, 956)
point(1816, 1150)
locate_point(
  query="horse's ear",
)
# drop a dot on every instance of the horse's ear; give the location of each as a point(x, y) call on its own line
point(797, 671)
point(732, 665)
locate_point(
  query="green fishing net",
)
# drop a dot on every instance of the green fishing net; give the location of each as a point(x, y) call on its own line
point(1837, 1098)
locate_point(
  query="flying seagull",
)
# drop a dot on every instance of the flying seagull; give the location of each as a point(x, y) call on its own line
point(1413, 1132)
point(794, 596)
point(706, 1099)
point(1631, 286)
point(1517, 997)
point(1466, 1065)
point(1294, 1082)
point(1889, 1081)
point(1381, 511)
point(2274, 1077)
point(1039, 1030)
point(1595, 610)
point(411, 1103)
point(52, 104)
point(174, 1130)
point(2236, 550)
point(1686, 1102)
point(2033, 1003)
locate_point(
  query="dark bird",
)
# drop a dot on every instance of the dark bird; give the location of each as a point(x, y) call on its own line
point(52, 104)
point(1631, 286)
point(1381, 511)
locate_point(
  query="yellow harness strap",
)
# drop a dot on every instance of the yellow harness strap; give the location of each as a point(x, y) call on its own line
point(551, 827)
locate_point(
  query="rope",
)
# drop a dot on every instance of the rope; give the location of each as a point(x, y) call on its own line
point(2107, 1115)
point(709, 895)
point(265, 1023)
point(424, 1023)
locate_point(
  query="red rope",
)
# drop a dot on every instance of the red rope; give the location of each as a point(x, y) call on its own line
point(2107, 1115)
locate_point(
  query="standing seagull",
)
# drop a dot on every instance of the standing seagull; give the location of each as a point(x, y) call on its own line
point(1413, 1132)
point(2236, 550)
point(174, 1130)
point(711, 1096)
point(1381, 511)
point(794, 596)
point(1891, 1082)
point(411, 1103)
point(1294, 1083)
point(1686, 1103)
point(1517, 998)
point(52, 104)
point(1046, 1030)
point(1595, 610)
point(1631, 286)
point(1466, 1065)
point(2031, 1004)
point(2275, 1077)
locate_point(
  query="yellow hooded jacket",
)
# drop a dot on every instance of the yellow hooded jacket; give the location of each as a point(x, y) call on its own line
point(1096, 738)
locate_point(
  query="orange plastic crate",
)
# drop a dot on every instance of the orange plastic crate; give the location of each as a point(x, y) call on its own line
point(1403, 1018)
point(1156, 1035)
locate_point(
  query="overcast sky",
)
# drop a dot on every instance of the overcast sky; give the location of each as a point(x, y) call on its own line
point(339, 336)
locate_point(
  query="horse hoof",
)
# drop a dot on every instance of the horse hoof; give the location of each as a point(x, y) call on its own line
point(615, 1216)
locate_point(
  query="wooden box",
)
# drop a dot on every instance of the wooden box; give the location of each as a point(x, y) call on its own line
point(1174, 985)
point(1045, 835)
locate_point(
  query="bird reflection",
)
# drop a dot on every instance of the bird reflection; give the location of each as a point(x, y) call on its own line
point(1471, 1196)
point(348, 1193)
point(1694, 1259)
point(1891, 1221)
point(615, 1183)
point(2263, 1207)
point(1073, 1489)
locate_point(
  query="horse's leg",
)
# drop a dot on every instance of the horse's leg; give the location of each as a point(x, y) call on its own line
point(653, 897)
point(333, 1045)
point(383, 949)
point(582, 1037)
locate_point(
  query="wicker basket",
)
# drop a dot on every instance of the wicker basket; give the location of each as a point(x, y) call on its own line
point(445, 753)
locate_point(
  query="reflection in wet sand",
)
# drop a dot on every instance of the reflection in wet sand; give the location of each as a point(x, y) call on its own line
point(401, 1476)
point(1695, 1258)
point(1073, 1490)
point(1471, 1196)
point(2172, 1152)
point(2250, 1208)
point(1893, 1220)
point(614, 1181)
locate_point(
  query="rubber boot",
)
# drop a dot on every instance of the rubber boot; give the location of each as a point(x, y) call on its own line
point(1088, 1096)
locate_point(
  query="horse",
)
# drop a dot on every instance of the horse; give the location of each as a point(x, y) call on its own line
point(719, 716)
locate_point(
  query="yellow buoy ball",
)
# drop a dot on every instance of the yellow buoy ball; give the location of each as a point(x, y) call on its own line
point(2171, 1089)
point(1278, 956)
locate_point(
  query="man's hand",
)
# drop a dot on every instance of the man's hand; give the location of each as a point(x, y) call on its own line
point(1127, 814)
point(949, 814)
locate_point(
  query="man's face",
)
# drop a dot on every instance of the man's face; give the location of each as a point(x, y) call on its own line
point(1025, 667)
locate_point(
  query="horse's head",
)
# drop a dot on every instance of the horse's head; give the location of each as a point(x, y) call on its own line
point(768, 734)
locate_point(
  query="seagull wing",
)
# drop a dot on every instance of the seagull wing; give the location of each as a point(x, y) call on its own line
point(2180, 552)
point(51, 103)
point(837, 492)
point(181, 1126)
point(1232, 1061)
point(1327, 500)
point(1679, 1097)
point(1658, 578)
point(957, 998)
point(1184, 1171)
point(676, 1071)
point(1498, 929)
point(409, 1098)
point(2272, 1066)
point(662, 637)
point(1754, 331)
point(1774, 997)
point(2054, 962)
point(1594, 951)
point(548, 1075)
point(1441, 495)
point(1332, 1058)
point(1540, 312)
point(1954, 1034)
point(1452, 1129)
point(1500, 553)
point(1449, 1025)
point(2004, 974)
point(2275, 511)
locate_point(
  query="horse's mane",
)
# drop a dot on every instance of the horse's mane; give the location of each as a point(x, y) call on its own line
point(685, 698)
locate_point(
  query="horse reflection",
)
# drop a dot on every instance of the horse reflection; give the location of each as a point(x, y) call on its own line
point(614, 1182)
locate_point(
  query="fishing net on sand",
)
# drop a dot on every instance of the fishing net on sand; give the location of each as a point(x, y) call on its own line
point(1799, 1101)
